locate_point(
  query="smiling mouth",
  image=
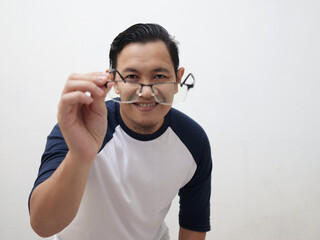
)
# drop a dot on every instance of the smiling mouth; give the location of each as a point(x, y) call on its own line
point(146, 104)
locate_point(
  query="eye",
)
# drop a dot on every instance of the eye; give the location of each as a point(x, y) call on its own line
point(132, 77)
point(161, 78)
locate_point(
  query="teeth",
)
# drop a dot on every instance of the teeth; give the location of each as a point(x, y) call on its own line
point(146, 104)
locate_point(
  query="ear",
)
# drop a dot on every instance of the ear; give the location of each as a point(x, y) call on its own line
point(180, 73)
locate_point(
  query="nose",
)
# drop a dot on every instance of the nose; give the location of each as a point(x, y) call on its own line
point(146, 91)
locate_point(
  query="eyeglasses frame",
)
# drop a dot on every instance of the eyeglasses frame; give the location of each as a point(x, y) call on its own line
point(189, 85)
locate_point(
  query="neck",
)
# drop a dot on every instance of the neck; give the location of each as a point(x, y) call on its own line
point(144, 128)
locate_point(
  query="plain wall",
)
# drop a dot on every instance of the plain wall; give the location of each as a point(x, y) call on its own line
point(257, 70)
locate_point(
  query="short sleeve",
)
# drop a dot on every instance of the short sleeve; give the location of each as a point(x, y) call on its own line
point(194, 211)
point(55, 152)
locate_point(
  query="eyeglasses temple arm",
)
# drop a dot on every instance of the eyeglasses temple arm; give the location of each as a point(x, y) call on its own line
point(190, 85)
point(115, 71)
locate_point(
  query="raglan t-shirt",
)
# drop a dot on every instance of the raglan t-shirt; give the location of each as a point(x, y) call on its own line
point(135, 177)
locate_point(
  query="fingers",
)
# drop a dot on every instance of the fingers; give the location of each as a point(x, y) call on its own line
point(83, 86)
point(77, 87)
point(97, 77)
point(90, 82)
point(70, 100)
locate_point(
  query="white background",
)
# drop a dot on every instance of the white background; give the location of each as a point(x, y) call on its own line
point(257, 68)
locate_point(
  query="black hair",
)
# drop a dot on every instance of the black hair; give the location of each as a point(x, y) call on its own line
point(144, 33)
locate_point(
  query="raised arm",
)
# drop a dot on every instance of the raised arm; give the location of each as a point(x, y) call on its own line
point(83, 123)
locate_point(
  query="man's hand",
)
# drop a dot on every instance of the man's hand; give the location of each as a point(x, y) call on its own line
point(82, 117)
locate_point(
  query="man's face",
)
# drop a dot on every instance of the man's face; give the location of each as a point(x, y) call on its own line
point(147, 63)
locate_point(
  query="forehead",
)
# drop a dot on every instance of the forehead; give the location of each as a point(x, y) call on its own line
point(145, 56)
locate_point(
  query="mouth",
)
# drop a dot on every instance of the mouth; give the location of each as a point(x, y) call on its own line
point(146, 106)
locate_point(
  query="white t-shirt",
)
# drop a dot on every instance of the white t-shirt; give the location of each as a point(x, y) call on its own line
point(135, 178)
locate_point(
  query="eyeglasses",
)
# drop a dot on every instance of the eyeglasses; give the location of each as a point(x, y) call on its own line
point(164, 92)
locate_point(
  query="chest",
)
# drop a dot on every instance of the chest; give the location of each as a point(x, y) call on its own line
point(144, 171)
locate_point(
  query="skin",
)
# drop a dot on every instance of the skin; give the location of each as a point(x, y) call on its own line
point(83, 123)
point(185, 234)
point(146, 62)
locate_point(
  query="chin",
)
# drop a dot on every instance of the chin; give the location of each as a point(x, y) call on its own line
point(147, 120)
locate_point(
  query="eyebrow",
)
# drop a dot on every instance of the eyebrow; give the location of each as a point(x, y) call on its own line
point(129, 70)
point(159, 69)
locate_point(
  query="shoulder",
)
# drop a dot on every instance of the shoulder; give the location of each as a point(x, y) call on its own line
point(184, 125)
point(189, 132)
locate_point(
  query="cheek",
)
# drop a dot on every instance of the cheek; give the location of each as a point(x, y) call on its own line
point(124, 91)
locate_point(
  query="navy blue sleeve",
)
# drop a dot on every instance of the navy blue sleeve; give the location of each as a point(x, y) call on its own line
point(194, 211)
point(195, 195)
point(56, 148)
point(55, 151)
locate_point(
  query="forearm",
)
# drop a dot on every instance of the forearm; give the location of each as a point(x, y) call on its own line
point(55, 202)
point(185, 234)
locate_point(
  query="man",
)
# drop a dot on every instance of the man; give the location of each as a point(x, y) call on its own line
point(111, 169)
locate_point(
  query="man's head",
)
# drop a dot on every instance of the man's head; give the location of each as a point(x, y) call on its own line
point(145, 54)
point(143, 33)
